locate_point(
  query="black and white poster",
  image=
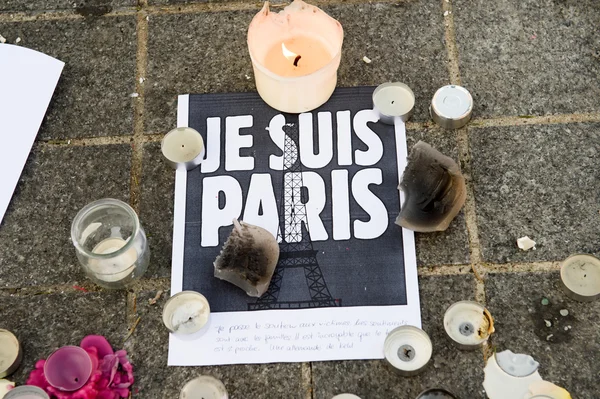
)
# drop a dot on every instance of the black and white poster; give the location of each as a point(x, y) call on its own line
point(325, 184)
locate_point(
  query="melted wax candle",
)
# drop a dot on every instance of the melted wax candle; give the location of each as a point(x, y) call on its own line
point(116, 268)
point(68, 368)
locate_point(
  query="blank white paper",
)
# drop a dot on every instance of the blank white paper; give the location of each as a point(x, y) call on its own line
point(27, 81)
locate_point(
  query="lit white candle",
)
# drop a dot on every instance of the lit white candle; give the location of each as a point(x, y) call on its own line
point(204, 387)
point(186, 312)
point(183, 147)
point(295, 54)
point(115, 268)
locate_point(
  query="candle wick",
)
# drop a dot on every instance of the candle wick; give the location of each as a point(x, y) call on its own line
point(296, 60)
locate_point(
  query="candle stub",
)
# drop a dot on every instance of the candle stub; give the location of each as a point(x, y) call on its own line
point(68, 368)
point(393, 101)
point(580, 276)
point(436, 393)
point(451, 107)
point(26, 392)
point(295, 55)
point(546, 390)
point(408, 349)
point(186, 312)
point(10, 353)
point(183, 147)
point(204, 387)
point(468, 324)
point(345, 396)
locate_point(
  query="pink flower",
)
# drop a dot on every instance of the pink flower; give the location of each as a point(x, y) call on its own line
point(111, 378)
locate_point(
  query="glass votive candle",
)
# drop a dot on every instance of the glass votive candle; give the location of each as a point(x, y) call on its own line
point(295, 55)
point(110, 242)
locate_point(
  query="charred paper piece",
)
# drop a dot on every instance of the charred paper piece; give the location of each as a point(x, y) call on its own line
point(469, 324)
point(434, 190)
point(546, 390)
point(500, 384)
point(248, 258)
point(525, 243)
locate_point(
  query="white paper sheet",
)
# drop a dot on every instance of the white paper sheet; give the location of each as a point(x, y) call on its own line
point(27, 81)
point(290, 335)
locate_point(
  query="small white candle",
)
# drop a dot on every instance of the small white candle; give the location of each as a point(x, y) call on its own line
point(408, 349)
point(183, 147)
point(10, 353)
point(295, 55)
point(115, 268)
point(204, 387)
point(393, 101)
point(186, 312)
point(580, 276)
point(468, 324)
point(451, 107)
point(345, 396)
point(26, 392)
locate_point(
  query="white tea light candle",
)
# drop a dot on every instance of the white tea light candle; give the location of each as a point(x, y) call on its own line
point(186, 312)
point(580, 276)
point(468, 324)
point(451, 107)
point(408, 350)
point(10, 353)
point(393, 100)
point(116, 268)
point(295, 55)
point(26, 392)
point(204, 387)
point(183, 147)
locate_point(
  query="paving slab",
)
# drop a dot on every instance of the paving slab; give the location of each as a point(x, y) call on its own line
point(154, 380)
point(450, 246)
point(85, 7)
point(92, 95)
point(460, 372)
point(539, 181)
point(566, 349)
point(532, 57)
point(207, 52)
point(56, 183)
point(156, 209)
point(45, 322)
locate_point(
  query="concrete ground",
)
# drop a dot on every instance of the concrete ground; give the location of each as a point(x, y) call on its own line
point(531, 158)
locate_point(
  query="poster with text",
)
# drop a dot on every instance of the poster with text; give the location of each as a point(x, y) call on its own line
point(325, 184)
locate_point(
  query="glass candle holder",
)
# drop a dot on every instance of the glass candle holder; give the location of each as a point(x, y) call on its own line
point(110, 242)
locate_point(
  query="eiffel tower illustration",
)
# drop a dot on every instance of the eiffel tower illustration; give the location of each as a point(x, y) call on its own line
point(295, 248)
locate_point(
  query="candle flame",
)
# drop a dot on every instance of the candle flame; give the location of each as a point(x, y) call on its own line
point(290, 55)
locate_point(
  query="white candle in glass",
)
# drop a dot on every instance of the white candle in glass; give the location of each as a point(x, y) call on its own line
point(295, 54)
point(116, 268)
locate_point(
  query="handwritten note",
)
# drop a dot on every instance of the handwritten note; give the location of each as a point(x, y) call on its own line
point(296, 335)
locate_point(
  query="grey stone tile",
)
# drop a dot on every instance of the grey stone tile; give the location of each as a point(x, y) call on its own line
point(540, 181)
point(156, 209)
point(529, 57)
point(92, 95)
point(157, 381)
point(84, 7)
point(207, 52)
point(56, 183)
point(450, 246)
point(565, 356)
point(43, 323)
point(460, 372)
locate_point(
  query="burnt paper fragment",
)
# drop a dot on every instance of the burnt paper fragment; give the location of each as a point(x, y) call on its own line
point(248, 258)
point(434, 190)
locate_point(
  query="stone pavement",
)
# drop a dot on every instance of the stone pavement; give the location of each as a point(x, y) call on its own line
point(531, 158)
